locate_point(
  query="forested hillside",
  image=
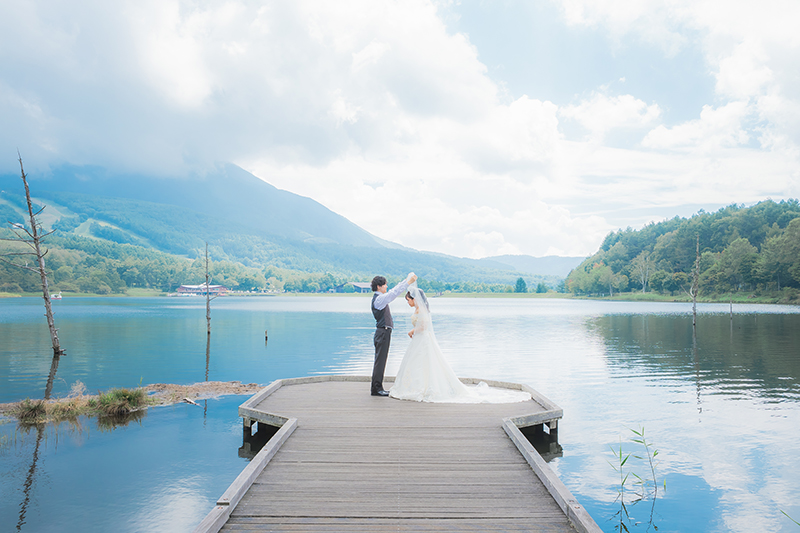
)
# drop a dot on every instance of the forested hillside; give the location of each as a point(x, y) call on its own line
point(91, 265)
point(106, 244)
point(741, 249)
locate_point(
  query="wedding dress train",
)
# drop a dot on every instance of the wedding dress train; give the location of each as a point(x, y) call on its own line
point(426, 376)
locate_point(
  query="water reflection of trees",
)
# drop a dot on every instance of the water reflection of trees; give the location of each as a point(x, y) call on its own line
point(754, 352)
point(43, 433)
point(29, 478)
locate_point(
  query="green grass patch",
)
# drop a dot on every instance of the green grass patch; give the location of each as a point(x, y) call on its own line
point(115, 405)
point(120, 402)
point(143, 293)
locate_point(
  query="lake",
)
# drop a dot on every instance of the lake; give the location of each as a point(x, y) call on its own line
point(723, 410)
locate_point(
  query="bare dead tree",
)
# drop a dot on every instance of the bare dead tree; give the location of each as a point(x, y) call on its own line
point(208, 296)
point(33, 237)
point(695, 282)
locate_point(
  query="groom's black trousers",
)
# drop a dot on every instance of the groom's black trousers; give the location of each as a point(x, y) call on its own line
point(383, 336)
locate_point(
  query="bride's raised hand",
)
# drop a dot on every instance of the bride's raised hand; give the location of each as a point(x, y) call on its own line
point(411, 333)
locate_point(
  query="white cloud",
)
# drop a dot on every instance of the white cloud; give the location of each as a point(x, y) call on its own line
point(653, 22)
point(382, 113)
point(169, 39)
point(716, 128)
point(369, 55)
point(602, 114)
point(743, 73)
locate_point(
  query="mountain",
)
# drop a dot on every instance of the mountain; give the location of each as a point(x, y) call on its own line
point(227, 193)
point(549, 265)
point(243, 219)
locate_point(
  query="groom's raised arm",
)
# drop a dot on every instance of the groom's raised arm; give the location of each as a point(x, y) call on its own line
point(388, 297)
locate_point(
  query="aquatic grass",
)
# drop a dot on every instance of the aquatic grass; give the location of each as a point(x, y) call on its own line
point(620, 459)
point(644, 484)
point(120, 402)
point(68, 409)
point(114, 403)
point(650, 455)
point(30, 411)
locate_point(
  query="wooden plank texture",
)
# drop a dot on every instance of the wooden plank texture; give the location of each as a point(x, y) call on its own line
point(357, 462)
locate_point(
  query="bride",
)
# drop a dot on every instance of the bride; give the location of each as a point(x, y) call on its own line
point(425, 375)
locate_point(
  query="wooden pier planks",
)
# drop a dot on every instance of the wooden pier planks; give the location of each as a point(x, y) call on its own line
point(361, 463)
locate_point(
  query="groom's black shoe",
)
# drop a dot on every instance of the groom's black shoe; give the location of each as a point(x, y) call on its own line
point(380, 393)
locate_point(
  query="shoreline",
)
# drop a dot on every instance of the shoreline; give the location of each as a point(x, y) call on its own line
point(791, 297)
point(158, 394)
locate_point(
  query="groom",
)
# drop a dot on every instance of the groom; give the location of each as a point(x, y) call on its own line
point(381, 299)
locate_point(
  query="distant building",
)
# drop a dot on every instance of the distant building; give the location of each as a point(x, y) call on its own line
point(361, 287)
point(201, 290)
point(358, 286)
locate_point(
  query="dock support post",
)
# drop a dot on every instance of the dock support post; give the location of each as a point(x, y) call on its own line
point(247, 432)
point(553, 424)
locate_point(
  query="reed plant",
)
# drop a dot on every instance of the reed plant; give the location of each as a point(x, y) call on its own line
point(790, 518)
point(650, 456)
point(646, 486)
point(620, 459)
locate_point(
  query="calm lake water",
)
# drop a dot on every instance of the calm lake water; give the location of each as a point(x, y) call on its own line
point(724, 411)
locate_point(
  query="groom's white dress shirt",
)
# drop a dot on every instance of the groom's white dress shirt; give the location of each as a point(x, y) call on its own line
point(384, 299)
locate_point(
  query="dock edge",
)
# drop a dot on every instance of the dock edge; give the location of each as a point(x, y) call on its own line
point(580, 517)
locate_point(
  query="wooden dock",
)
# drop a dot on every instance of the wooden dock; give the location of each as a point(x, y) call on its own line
point(343, 460)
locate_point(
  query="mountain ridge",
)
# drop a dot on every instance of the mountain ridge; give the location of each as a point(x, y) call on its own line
point(242, 218)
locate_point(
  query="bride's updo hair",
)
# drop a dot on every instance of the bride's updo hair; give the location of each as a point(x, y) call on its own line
point(422, 295)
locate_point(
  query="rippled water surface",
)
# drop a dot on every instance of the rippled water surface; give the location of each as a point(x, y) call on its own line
point(722, 408)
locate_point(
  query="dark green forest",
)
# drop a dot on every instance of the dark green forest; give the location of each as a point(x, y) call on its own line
point(752, 250)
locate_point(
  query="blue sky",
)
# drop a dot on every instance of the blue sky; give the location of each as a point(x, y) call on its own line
point(529, 48)
point(469, 128)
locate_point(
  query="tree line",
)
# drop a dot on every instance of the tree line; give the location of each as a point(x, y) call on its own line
point(85, 265)
point(742, 249)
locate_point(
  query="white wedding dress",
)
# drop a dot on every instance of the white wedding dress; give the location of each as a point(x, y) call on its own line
point(425, 375)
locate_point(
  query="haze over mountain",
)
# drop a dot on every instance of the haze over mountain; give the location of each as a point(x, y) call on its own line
point(245, 219)
point(550, 265)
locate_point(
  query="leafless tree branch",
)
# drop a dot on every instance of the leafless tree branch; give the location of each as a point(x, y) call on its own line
point(34, 241)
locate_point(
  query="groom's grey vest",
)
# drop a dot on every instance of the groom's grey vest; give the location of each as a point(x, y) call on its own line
point(383, 317)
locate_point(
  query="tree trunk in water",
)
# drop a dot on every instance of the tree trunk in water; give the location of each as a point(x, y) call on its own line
point(695, 283)
point(48, 390)
point(208, 297)
point(57, 351)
